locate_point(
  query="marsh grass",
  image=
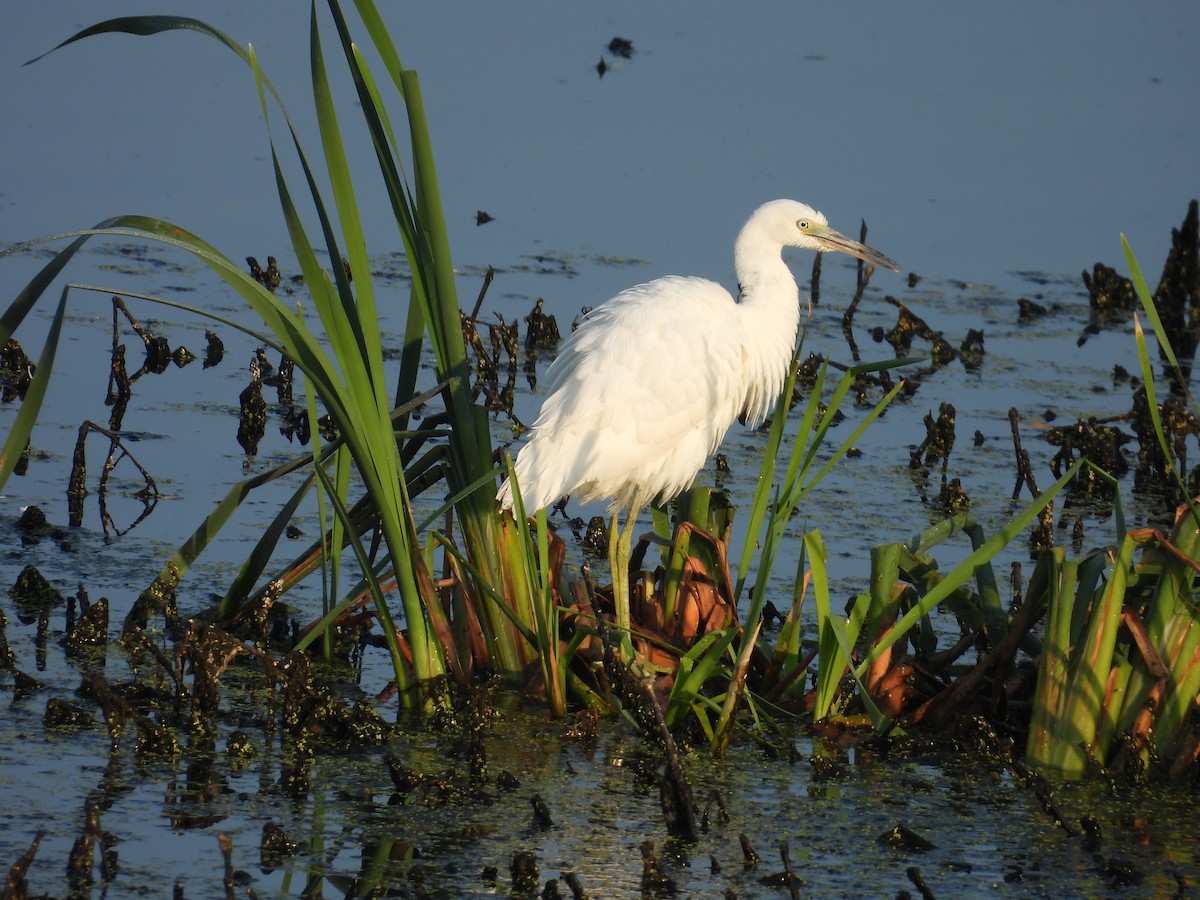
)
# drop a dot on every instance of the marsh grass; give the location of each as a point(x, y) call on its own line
point(468, 592)
point(723, 657)
point(857, 660)
point(1120, 671)
point(497, 607)
point(341, 356)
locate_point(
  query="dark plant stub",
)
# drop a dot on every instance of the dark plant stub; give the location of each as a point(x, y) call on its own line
point(1177, 297)
point(252, 420)
point(64, 715)
point(32, 593)
point(268, 277)
point(16, 371)
point(91, 631)
point(903, 838)
point(275, 846)
point(541, 329)
point(524, 871)
point(1029, 310)
point(214, 349)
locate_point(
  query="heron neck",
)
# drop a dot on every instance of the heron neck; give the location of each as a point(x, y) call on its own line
point(770, 311)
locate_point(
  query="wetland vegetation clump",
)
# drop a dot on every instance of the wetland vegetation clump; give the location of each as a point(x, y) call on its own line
point(1092, 664)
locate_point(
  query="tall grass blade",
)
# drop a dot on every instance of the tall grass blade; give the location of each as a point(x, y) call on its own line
point(1058, 575)
point(35, 393)
point(837, 636)
point(696, 667)
point(390, 632)
point(1151, 309)
point(1087, 677)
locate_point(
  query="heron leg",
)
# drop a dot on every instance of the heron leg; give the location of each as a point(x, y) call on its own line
point(619, 569)
point(619, 541)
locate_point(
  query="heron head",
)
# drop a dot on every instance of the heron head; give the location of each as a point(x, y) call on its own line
point(796, 224)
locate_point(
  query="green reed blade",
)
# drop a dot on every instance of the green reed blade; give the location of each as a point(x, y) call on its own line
point(390, 633)
point(965, 570)
point(31, 403)
point(695, 668)
point(837, 637)
point(1058, 575)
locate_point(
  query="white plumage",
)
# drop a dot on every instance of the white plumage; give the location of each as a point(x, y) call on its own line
point(643, 392)
point(638, 398)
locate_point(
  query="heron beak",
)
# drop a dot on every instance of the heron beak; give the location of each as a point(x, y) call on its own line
point(832, 241)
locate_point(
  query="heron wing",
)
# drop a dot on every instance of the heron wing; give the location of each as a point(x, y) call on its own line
point(639, 396)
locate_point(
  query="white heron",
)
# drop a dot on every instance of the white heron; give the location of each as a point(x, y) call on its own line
point(643, 392)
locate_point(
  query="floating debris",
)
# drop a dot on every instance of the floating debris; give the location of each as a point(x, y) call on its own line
point(1177, 297)
point(239, 748)
point(542, 820)
point(1028, 310)
point(970, 351)
point(576, 886)
point(268, 277)
point(524, 871)
point(1178, 424)
point(622, 47)
point(914, 875)
point(654, 879)
point(90, 633)
point(17, 885)
point(62, 715)
point(8, 659)
point(1098, 443)
point(750, 856)
point(283, 380)
point(1109, 292)
point(82, 861)
point(827, 769)
point(938, 442)
point(294, 426)
point(33, 525)
point(909, 326)
point(482, 218)
point(787, 878)
point(214, 350)
point(903, 838)
point(1120, 873)
point(575, 323)
point(252, 420)
point(541, 330)
point(16, 371)
point(952, 498)
point(1092, 833)
point(33, 593)
point(274, 847)
point(808, 370)
point(229, 881)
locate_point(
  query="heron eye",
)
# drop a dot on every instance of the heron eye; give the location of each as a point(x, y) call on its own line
point(802, 224)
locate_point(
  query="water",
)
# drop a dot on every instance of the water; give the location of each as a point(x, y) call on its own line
point(975, 142)
point(994, 152)
point(989, 834)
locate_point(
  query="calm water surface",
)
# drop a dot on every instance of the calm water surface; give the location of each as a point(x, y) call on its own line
point(993, 152)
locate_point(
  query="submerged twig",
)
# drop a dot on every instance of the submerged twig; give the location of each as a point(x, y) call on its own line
point(865, 270)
